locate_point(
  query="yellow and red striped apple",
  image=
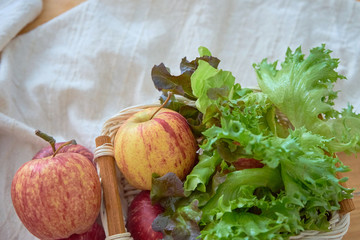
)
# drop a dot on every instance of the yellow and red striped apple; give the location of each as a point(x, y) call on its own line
point(57, 196)
point(144, 145)
point(75, 148)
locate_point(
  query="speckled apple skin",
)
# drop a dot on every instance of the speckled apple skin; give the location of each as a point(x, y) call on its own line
point(56, 197)
point(160, 145)
point(75, 148)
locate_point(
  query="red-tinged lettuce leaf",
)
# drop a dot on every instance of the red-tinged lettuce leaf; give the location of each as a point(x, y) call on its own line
point(181, 85)
point(186, 66)
point(166, 186)
point(182, 215)
point(193, 116)
point(180, 225)
point(165, 82)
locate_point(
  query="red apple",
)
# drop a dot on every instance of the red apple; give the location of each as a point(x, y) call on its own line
point(58, 195)
point(147, 144)
point(77, 148)
point(96, 232)
point(141, 214)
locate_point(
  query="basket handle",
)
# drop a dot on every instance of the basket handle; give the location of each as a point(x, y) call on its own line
point(346, 205)
point(112, 201)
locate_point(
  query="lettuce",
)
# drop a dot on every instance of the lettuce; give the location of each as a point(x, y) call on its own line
point(180, 85)
point(303, 90)
point(209, 84)
point(166, 82)
point(312, 194)
point(202, 172)
point(182, 224)
point(242, 226)
point(237, 191)
point(290, 126)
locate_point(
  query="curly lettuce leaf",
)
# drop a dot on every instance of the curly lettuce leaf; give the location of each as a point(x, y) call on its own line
point(243, 226)
point(241, 139)
point(253, 109)
point(314, 192)
point(209, 83)
point(202, 172)
point(303, 90)
point(237, 191)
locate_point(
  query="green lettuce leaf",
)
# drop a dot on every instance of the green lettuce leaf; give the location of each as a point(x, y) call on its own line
point(303, 90)
point(202, 172)
point(243, 226)
point(209, 83)
point(314, 193)
point(237, 191)
point(181, 85)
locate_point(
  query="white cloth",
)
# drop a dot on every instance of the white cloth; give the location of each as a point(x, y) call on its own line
point(69, 75)
point(14, 15)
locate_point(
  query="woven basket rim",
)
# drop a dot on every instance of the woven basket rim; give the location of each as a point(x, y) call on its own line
point(339, 223)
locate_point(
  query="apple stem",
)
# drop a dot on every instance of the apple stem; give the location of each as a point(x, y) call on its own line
point(162, 105)
point(63, 145)
point(47, 138)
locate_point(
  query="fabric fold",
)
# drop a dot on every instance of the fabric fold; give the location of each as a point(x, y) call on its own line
point(14, 16)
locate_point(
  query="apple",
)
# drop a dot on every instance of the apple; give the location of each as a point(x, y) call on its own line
point(47, 151)
point(141, 215)
point(96, 232)
point(154, 140)
point(54, 146)
point(57, 196)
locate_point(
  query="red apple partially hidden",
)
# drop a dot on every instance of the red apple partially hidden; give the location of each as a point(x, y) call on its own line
point(141, 214)
point(147, 144)
point(58, 195)
point(96, 232)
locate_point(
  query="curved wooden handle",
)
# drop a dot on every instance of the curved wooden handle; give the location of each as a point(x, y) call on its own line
point(111, 195)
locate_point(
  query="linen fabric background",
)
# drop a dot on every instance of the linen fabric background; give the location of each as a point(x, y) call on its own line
point(71, 74)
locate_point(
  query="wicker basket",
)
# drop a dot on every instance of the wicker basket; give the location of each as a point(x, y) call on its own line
point(339, 223)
